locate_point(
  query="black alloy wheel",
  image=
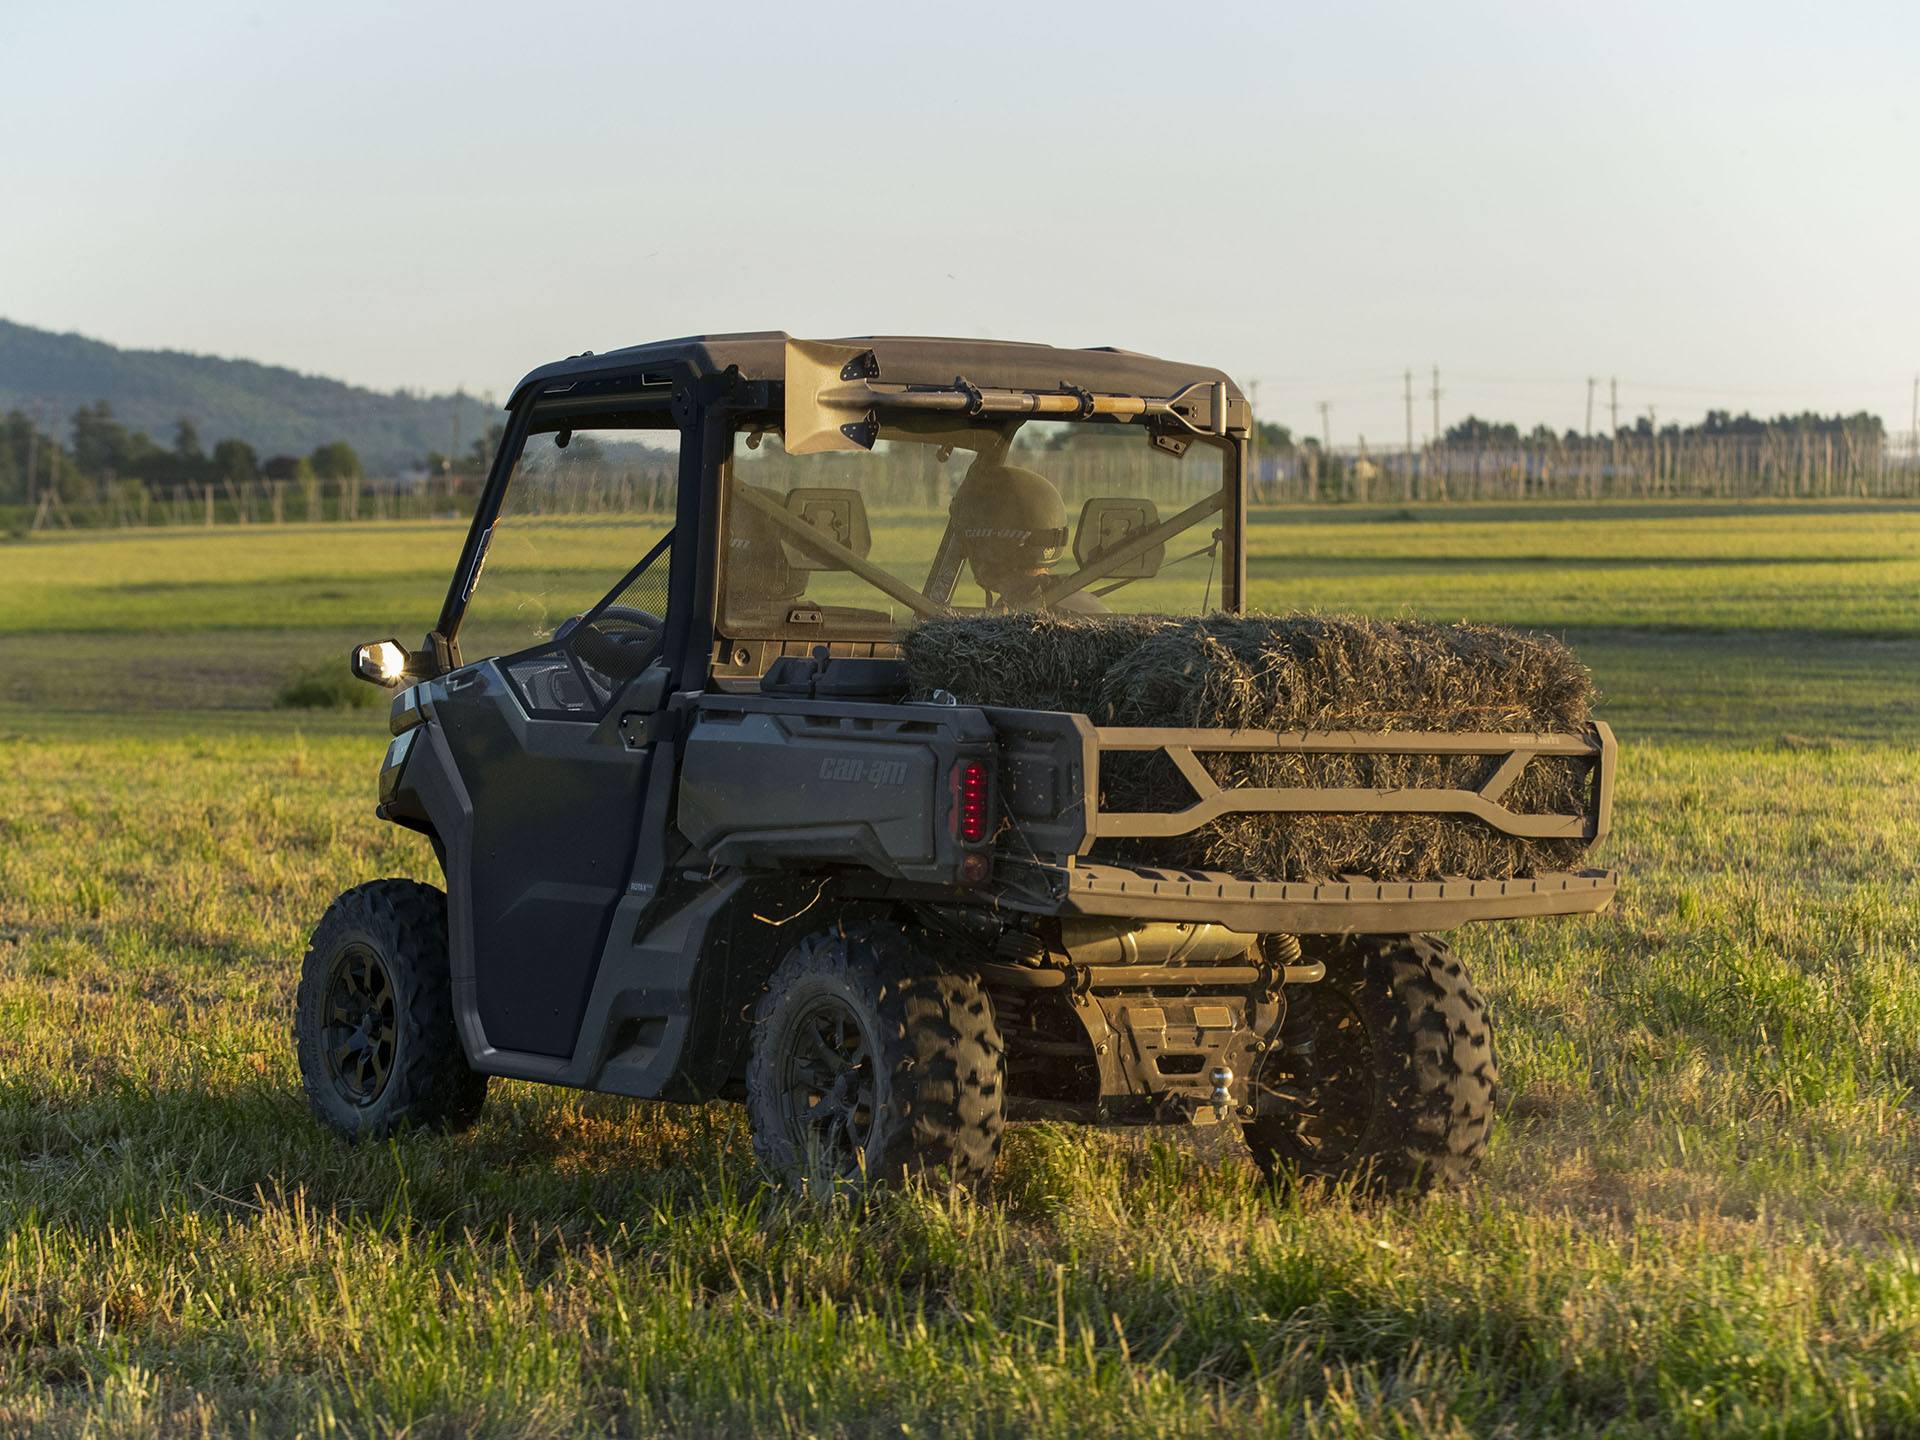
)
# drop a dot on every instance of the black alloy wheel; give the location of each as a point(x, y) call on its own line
point(360, 1033)
point(871, 1063)
point(827, 1085)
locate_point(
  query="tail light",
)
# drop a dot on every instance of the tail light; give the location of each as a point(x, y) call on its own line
point(970, 801)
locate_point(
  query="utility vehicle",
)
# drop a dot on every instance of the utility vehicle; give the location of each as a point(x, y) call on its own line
point(700, 841)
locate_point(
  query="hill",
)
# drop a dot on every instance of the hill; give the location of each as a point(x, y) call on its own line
point(274, 409)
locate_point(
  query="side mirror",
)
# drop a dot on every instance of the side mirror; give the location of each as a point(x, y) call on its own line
point(648, 691)
point(384, 662)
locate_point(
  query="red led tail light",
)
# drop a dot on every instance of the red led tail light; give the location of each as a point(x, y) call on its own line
point(970, 801)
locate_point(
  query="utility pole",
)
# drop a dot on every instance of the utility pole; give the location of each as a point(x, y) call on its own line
point(1613, 429)
point(50, 496)
point(1406, 475)
point(1326, 431)
point(1586, 450)
point(33, 448)
point(1437, 476)
point(1653, 450)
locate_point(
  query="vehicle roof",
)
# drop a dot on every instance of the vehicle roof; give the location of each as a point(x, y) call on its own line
point(911, 360)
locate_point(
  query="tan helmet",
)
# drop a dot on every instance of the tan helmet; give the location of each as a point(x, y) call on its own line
point(1011, 524)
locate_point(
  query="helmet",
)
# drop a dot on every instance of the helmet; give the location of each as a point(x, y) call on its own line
point(1010, 522)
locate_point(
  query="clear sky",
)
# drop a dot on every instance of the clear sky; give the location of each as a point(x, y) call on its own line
point(1718, 201)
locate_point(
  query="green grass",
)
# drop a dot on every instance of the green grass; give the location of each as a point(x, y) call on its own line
point(1700, 1215)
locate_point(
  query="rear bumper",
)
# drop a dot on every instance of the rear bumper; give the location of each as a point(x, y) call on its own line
point(1295, 907)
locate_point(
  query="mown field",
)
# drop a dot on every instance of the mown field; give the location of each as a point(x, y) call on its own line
point(1701, 1214)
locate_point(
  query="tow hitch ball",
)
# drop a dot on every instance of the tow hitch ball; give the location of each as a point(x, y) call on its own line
point(1221, 1099)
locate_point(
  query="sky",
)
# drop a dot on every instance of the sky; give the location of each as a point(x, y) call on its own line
point(1716, 203)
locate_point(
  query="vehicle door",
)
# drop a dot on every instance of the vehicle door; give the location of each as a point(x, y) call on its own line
point(555, 780)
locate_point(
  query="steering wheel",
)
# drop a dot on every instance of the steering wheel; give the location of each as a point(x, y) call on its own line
point(618, 641)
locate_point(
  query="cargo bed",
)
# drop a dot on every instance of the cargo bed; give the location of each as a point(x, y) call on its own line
point(1051, 764)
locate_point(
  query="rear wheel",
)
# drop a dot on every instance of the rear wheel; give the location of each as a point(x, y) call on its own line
point(373, 1024)
point(870, 1063)
point(1384, 1074)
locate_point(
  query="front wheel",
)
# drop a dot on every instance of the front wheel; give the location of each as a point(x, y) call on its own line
point(373, 1021)
point(1384, 1074)
point(871, 1063)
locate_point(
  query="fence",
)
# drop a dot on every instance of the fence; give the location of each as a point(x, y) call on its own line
point(254, 502)
point(1776, 465)
point(1779, 465)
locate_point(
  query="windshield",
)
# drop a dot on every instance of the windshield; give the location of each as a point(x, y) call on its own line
point(1066, 516)
point(581, 507)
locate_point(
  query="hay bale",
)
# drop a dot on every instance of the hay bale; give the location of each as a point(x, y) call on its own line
point(1292, 672)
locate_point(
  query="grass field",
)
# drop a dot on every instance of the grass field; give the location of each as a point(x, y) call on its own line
point(1701, 1214)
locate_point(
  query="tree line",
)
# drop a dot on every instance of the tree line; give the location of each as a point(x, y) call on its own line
point(103, 458)
point(1476, 433)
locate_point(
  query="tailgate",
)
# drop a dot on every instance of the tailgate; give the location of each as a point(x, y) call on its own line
point(1051, 768)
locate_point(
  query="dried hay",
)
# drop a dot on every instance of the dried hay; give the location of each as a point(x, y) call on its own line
point(1291, 672)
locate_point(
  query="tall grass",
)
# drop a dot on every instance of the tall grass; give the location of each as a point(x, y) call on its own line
point(1698, 1218)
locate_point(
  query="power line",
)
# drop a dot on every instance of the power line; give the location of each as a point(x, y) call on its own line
point(1327, 380)
point(1687, 387)
point(1362, 397)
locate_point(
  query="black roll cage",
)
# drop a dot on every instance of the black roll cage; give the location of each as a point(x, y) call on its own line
point(706, 409)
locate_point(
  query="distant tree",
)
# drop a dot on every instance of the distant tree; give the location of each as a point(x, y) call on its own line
point(74, 485)
point(20, 438)
point(13, 469)
point(186, 439)
point(1723, 422)
point(235, 462)
point(1475, 431)
point(480, 453)
point(100, 444)
point(336, 462)
point(281, 467)
point(1275, 437)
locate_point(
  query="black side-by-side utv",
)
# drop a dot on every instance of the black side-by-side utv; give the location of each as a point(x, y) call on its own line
point(700, 841)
